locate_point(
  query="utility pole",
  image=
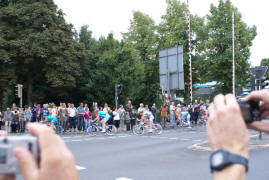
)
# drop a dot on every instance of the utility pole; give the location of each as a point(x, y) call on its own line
point(233, 57)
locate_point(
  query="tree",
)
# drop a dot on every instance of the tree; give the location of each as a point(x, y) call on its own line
point(142, 35)
point(109, 62)
point(219, 45)
point(265, 62)
point(173, 30)
point(40, 45)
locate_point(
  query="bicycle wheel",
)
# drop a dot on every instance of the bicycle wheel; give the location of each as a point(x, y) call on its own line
point(110, 130)
point(157, 128)
point(139, 129)
point(92, 130)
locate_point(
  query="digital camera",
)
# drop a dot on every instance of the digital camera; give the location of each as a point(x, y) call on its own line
point(8, 162)
point(250, 110)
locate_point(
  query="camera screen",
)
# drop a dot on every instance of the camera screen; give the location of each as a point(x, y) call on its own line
point(3, 156)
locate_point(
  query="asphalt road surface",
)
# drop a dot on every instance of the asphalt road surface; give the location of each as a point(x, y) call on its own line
point(169, 156)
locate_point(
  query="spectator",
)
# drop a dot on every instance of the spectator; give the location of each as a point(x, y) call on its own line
point(116, 118)
point(87, 118)
point(122, 116)
point(110, 120)
point(196, 108)
point(164, 114)
point(27, 114)
point(141, 108)
point(15, 122)
point(21, 120)
point(33, 119)
point(72, 117)
point(105, 109)
point(129, 107)
point(8, 119)
point(54, 110)
point(38, 113)
point(63, 115)
point(127, 121)
point(172, 114)
point(133, 118)
point(154, 112)
point(80, 117)
point(178, 112)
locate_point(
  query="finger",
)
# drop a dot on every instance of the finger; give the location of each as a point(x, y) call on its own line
point(219, 101)
point(265, 114)
point(212, 111)
point(257, 95)
point(27, 163)
point(231, 100)
point(264, 107)
point(3, 133)
point(44, 133)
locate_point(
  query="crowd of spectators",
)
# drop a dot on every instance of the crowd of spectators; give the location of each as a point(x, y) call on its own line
point(78, 119)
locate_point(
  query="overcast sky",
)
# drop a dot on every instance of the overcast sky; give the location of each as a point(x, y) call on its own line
point(105, 16)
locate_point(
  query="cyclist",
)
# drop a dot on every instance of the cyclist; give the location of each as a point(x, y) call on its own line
point(50, 120)
point(147, 118)
point(185, 116)
point(103, 117)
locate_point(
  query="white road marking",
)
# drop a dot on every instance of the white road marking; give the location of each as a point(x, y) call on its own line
point(123, 178)
point(80, 168)
point(76, 140)
point(197, 140)
point(173, 138)
point(122, 136)
point(66, 137)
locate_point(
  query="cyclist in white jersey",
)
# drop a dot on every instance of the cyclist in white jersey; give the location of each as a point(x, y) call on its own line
point(147, 118)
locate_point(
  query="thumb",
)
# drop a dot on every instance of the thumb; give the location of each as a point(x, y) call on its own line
point(27, 163)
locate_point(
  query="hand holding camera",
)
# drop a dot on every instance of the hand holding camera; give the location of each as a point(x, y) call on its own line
point(56, 161)
point(264, 110)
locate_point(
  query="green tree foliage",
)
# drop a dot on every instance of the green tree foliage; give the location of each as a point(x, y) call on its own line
point(142, 35)
point(36, 40)
point(219, 45)
point(109, 62)
point(265, 62)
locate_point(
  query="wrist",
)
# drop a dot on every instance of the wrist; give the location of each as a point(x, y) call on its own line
point(242, 151)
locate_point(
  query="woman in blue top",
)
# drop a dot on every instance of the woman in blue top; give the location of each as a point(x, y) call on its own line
point(103, 117)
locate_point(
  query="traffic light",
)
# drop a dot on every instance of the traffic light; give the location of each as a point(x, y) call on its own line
point(16, 90)
point(119, 88)
point(264, 83)
point(251, 83)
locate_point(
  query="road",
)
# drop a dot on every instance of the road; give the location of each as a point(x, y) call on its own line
point(168, 156)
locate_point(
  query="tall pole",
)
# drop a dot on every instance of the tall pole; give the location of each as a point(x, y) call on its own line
point(189, 34)
point(233, 56)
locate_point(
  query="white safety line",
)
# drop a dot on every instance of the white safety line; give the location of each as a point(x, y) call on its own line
point(76, 140)
point(123, 178)
point(80, 168)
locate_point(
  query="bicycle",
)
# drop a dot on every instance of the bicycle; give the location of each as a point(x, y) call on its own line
point(182, 123)
point(96, 127)
point(141, 128)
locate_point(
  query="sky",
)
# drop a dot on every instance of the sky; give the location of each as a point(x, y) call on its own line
point(105, 16)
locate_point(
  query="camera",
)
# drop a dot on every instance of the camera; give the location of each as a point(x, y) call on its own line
point(8, 162)
point(250, 110)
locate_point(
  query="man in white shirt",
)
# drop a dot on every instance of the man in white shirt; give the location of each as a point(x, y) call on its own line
point(72, 117)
